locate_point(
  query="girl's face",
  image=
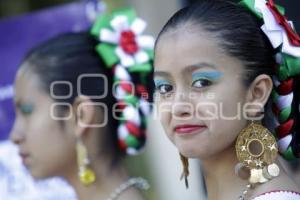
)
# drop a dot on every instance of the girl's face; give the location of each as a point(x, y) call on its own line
point(199, 92)
point(45, 145)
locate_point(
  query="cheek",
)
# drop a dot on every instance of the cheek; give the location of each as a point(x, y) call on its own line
point(52, 149)
point(163, 113)
point(229, 121)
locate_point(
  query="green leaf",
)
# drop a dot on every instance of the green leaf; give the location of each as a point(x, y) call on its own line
point(129, 12)
point(101, 22)
point(107, 52)
point(145, 67)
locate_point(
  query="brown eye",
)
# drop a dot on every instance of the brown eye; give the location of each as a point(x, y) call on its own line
point(201, 83)
point(164, 88)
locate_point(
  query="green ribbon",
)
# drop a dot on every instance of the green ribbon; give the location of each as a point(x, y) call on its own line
point(250, 4)
point(290, 67)
point(285, 113)
point(288, 154)
point(131, 141)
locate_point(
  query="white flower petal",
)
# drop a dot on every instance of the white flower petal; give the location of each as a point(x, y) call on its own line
point(109, 36)
point(126, 59)
point(145, 42)
point(120, 23)
point(141, 57)
point(138, 26)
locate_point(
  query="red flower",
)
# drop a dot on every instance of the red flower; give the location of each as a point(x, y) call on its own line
point(128, 43)
point(282, 20)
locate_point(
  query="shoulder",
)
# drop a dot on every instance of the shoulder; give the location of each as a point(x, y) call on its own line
point(279, 195)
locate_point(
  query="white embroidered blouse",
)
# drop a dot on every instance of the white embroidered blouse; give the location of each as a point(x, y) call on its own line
point(279, 195)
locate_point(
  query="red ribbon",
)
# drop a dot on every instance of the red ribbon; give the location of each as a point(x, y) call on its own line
point(282, 20)
point(284, 129)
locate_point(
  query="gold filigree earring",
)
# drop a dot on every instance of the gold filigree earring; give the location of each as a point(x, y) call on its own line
point(256, 150)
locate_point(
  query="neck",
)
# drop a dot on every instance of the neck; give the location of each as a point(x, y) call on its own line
point(107, 180)
point(218, 170)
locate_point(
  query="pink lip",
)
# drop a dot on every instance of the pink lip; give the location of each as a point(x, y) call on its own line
point(188, 129)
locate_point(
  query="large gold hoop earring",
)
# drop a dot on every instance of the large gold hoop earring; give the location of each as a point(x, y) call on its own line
point(256, 149)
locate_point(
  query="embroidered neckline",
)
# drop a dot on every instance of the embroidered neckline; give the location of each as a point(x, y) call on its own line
point(279, 191)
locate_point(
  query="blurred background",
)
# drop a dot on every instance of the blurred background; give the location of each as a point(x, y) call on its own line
point(23, 23)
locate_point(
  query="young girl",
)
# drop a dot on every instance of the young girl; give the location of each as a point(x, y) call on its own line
point(214, 65)
point(79, 112)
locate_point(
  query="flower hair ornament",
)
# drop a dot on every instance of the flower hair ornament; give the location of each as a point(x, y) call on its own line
point(128, 54)
point(285, 138)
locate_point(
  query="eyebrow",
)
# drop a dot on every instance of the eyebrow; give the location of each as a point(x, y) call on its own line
point(187, 68)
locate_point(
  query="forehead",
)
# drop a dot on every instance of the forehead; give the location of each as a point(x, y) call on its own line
point(28, 86)
point(180, 48)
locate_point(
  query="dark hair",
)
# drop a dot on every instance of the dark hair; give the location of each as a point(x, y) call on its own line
point(237, 30)
point(65, 58)
point(238, 34)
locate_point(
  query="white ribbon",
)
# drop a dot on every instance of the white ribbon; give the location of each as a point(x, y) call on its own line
point(145, 106)
point(122, 132)
point(131, 151)
point(122, 73)
point(274, 31)
point(284, 101)
point(284, 143)
point(131, 114)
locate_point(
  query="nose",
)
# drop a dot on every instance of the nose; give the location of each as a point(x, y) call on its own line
point(17, 135)
point(182, 106)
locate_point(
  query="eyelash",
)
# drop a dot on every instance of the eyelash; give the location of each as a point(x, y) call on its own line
point(208, 83)
point(168, 87)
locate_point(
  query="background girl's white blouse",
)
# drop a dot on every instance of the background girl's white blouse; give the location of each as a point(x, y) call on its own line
point(17, 184)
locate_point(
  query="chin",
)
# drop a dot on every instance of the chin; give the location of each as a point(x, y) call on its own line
point(38, 175)
point(189, 151)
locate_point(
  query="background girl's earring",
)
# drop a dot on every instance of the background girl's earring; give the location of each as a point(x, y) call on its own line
point(86, 175)
point(185, 173)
